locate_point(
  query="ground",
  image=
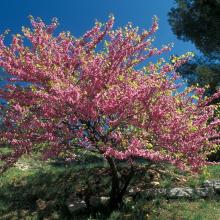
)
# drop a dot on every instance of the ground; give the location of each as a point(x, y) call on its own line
point(42, 190)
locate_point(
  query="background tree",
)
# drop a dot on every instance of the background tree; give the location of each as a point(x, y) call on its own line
point(199, 21)
point(204, 72)
point(78, 96)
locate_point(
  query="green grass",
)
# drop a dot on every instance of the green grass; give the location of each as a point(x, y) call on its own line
point(176, 210)
point(22, 191)
point(44, 189)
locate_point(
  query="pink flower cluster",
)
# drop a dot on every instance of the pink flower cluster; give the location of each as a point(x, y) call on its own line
point(100, 99)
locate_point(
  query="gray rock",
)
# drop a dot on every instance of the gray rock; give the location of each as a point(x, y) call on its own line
point(77, 206)
point(204, 192)
point(104, 200)
point(216, 186)
point(96, 201)
point(208, 183)
point(161, 192)
point(155, 183)
point(179, 192)
point(213, 184)
point(128, 199)
point(149, 193)
point(134, 191)
point(153, 193)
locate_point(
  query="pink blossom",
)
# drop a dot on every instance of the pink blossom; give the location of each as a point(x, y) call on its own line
point(101, 99)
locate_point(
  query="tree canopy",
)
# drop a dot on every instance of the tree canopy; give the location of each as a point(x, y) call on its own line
point(90, 93)
point(198, 21)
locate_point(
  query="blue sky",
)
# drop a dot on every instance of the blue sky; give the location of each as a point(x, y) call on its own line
point(77, 16)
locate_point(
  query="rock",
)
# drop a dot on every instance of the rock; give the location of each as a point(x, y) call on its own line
point(180, 179)
point(155, 183)
point(77, 206)
point(153, 175)
point(216, 186)
point(41, 204)
point(161, 192)
point(149, 193)
point(179, 192)
point(208, 183)
point(22, 166)
point(128, 199)
point(152, 193)
point(213, 184)
point(204, 192)
point(134, 191)
point(104, 200)
point(96, 202)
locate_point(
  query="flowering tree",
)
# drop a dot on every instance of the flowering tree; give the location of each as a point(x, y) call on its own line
point(92, 93)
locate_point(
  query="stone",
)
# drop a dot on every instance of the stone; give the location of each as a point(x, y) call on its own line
point(41, 204)
point(204, 192)
point(153, 193)
point(134, 191)
point(178, 192)
point(77, 206)
point(22, 166)
point(104, 200)
point(161, 192)
point(155, 183)
point(208, 183)
point(96, 201)
point(149, 193)
point(128, 199)
point(216, 186)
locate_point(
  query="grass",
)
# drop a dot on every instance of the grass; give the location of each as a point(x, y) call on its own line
point(43, 190)
point(187, 210)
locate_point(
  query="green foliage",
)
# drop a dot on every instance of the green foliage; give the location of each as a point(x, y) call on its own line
point(202, 72)
point(199, 21)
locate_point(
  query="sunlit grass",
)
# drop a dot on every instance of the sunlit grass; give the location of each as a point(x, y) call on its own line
point(53, 184)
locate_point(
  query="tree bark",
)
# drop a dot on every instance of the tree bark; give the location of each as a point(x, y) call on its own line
point(115, 188)
point(117, 192)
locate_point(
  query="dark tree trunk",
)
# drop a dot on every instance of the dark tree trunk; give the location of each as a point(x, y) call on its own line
point(118, 189)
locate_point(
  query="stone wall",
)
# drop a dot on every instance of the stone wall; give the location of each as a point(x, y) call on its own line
point(209, 189)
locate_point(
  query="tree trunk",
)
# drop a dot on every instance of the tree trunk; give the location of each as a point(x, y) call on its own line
point(117, 192)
